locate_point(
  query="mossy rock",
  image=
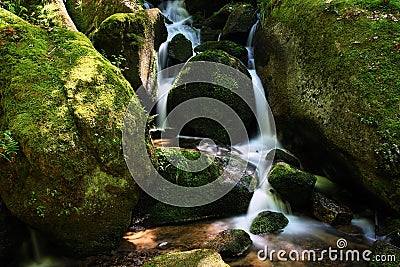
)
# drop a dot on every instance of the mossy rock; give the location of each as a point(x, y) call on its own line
point(179, 49)
point(218, 20)
point(231, 243)
point(151, 212)
point(194, 6)
point(229, 47)
point(130, 41)
point(89, 14)
point(328, 211)
point(332, 79)
point(293, 185)
point(235, 89)
point(239, 23)
point(65, 103)
point(197, 257)
point(268, 222)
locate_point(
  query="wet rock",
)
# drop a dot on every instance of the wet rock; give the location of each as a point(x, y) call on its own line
point(384, 255)
point(150, 212)
point(231, 243)
point(218, 20)
point(197, 257)
point(229, 47)
point(268, 222)
point(236, 87)
point(69, 178)
point(163, 245)
point(239, 23)
point(130, 41)
point(293, 185)
point(89, 14)
point(327, 211)
point(179, 49)
point(282, 155)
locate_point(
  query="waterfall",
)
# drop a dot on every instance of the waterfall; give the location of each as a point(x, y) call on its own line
point(176, 12)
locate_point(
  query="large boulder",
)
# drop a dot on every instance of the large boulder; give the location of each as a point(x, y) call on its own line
point(229, 47)
point(328, 211)
point(293, 185)
point(131, 41)
point(197, 257)
point(89, 14)
point(150, 212)
point(231, 243)
point(239, 23)
point(179, 49)
point(268, 222)
point(64, 104)
point(332, 79)
point(237, 88)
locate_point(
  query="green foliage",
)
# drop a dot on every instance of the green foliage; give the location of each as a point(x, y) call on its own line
point(16, 7)
point(8, 146)
point(41, 211)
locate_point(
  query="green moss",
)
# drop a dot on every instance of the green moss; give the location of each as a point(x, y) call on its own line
point(229, 47)
point(268, 222)
point(198, 257)
point(231, 243)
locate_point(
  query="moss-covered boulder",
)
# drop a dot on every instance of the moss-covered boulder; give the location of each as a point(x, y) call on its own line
point(12, 233)
point(229, 47)
point(268, 222)
point(331, 69)
point(235, 89)
point(231, 243)
point(179, 49)
point(130, 41)
point(89, 14)
point(239, 23)
point(328, 211)
point(197, 257)
point(293, 185)
point(64, 104)
point(150, 212)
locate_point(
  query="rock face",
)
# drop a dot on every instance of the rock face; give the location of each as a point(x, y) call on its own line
point(231, 243)
point(239, 23)
point(131, 41)
point(332, 86)
point(12, 233)
point(65, 104)
point(151, 212)
point(327, 211)
point(293, 185)
point(233, 84)
point(268, 222)
point(197, 257)
point(179, 49)
point(229, 47)
point(89, 14)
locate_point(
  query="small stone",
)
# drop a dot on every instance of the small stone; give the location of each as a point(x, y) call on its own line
point(163, 245)
point(231, 243)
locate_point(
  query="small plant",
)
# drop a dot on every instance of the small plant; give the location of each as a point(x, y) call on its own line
point(40, 210)
point(118, 61)
point(33, 198)
point(8, 146)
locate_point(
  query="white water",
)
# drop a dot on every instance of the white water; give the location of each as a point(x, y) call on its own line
point(176, 12)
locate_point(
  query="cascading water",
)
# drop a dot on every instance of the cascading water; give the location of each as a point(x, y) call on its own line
point(176, 12)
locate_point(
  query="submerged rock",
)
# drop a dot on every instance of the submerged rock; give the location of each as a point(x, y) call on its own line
point(64, 104)
point(231, 243)
point(234, 83)
point(328, 211)
point(293, 185)
point(179, 49)
point(268, 222)
point(150, 212)
point(229, 47)
point(130, 41)
point(197, 257)
point(239, 23)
